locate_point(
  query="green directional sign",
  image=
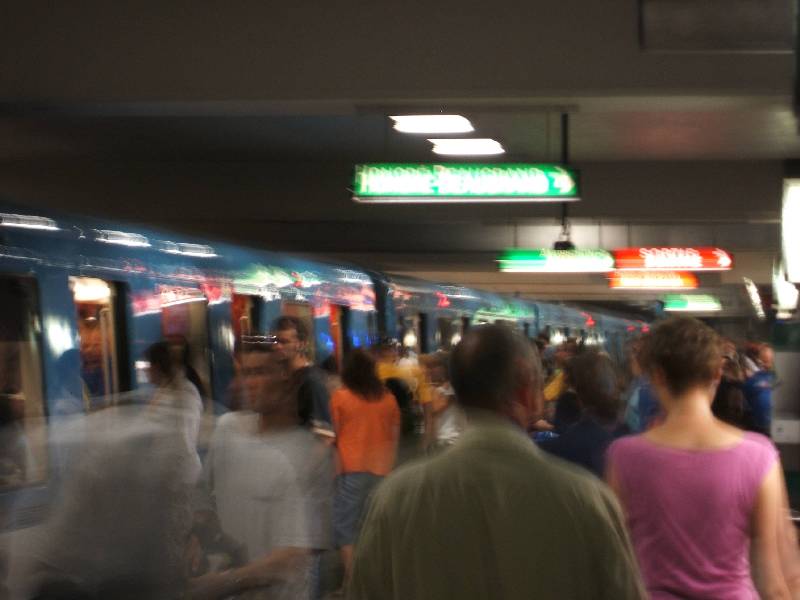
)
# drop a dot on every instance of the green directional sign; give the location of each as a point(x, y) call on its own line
point(692, 303)
point(502, 182)
point(545, 260)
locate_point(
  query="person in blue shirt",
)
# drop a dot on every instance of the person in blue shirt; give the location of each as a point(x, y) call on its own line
point(597, 392)
point(758, 392)
point(642, 403)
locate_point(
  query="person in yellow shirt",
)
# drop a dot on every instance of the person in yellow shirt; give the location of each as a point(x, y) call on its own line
point(414, 378)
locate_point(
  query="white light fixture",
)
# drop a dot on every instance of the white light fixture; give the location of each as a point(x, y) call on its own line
point(195, 250)
point(121, 238)
point(790, 225)
point(89, 289)
point(432, 124)
point(785, 292)
point(466, 146)
point(410, 339)
point(755, 297)
point(28, 222)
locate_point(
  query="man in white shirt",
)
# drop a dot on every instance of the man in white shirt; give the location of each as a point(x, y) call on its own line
point(271, 482)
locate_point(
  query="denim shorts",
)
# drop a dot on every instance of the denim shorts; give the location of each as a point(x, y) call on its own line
point(349, 505)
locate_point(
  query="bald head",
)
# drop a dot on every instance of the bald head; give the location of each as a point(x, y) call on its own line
point(490, 366)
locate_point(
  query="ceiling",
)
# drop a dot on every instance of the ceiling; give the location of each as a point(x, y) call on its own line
point(244, 123)
point(625, 130)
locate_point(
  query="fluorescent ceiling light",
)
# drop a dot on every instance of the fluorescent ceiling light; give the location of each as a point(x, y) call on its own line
point(466, 146)
point(196, 250)
point(121, 238)
point(28, 222)
point(432, 124)
point(89, 289)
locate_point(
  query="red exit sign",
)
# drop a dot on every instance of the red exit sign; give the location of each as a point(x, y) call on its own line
point(672, 259)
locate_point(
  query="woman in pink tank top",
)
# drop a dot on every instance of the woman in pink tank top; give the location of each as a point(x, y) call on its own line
point(697, 492)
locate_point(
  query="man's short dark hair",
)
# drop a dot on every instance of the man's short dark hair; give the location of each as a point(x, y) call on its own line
point(489, 364)
point(289, 322)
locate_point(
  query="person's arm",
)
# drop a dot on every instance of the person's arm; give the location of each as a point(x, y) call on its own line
point(788, 544)
point(766, 526)
point(275, 567)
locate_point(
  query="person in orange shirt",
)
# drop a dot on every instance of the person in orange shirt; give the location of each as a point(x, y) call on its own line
point(366, 420)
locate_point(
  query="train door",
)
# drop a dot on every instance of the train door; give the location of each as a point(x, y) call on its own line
point(449, 332)
point(184, 324)
point(340, 332)
point(101, 331)
point(526, 330)
point(303, 312)
point(409, 338)
point(246, 316)
point(422, 334)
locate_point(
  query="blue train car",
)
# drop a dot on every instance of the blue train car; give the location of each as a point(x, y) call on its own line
point(426, 316)
point(84, 297)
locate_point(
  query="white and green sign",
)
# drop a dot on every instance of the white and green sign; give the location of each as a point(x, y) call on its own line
point(545, 260)
point(691, 303)
point(502, 182)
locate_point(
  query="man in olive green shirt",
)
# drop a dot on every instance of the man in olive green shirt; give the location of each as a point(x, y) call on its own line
point(492, 517)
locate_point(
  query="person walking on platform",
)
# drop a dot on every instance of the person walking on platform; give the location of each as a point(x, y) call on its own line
point(313, 399)
point(700, 495)
point(492, 517)
point(596, 387)
point(367, 424)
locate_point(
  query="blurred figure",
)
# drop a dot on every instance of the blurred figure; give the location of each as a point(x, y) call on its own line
point(182, 357)
point(698, 492)
point(270, 485)
point(119, 514)
point(406, 381)
point(567, 410)
point(758, 390)
point(71, 395)
point(557, 384)
point(729, 400)
point(449, 419)
point(173, 391)
point(367, 424)
point(642, 408)
point(585, 443)
point(333, 381)
point(313, 399)
point(493, 517)
point(16, 460)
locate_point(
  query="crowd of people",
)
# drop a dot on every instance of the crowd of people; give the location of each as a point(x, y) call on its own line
point(505, 469)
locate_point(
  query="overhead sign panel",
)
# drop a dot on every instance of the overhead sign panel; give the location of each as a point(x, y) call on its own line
point(692, 303)
point(652, 280)
point(673, 259)
point(454, 183)
point(545, 260)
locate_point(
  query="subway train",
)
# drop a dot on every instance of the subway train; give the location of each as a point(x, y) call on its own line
point(82, 299)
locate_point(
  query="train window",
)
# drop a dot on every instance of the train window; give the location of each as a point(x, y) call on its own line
point(184, 324)
point(23, 452)
point(303, 312)
point(100, 330)
point(246, 315)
